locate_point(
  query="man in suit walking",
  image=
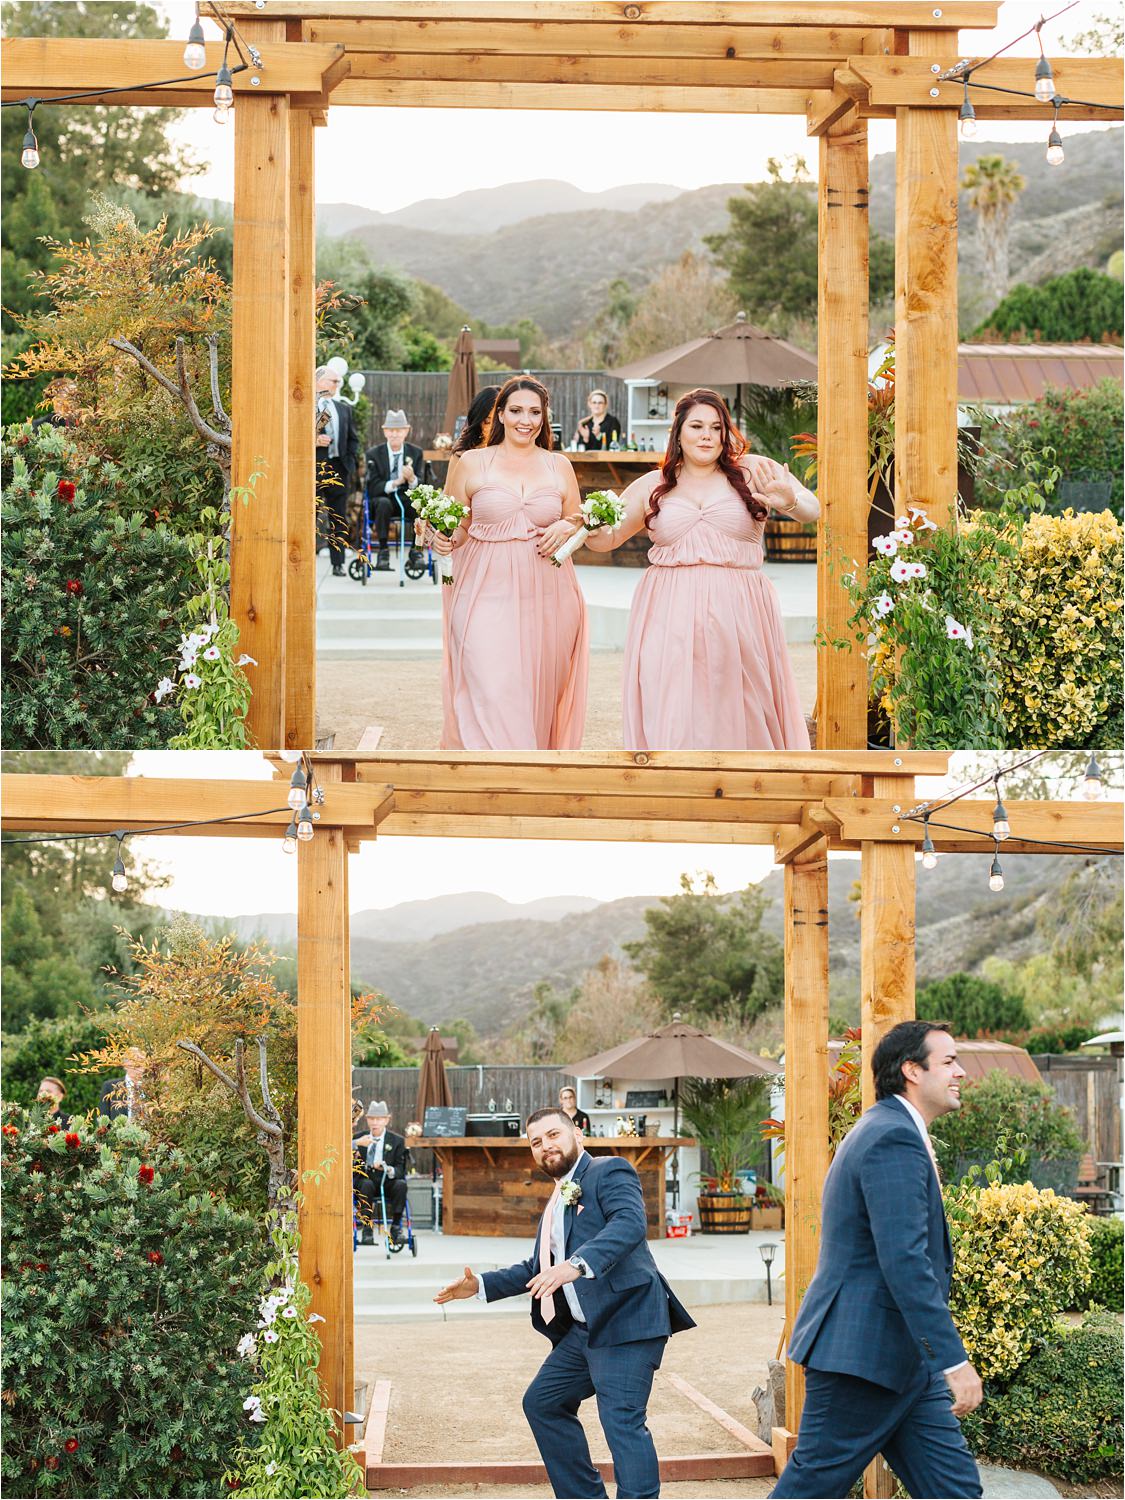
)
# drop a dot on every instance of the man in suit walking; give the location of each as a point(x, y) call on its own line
point(885, 1369)
point(393, 467)
point(608, 1312)
point(384, 1179)
point(337, 457)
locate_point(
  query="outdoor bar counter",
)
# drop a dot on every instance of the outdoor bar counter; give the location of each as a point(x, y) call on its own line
point(490, 1185)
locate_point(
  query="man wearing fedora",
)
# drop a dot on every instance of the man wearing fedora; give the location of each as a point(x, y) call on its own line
point(393, 468)
point(385, 1179)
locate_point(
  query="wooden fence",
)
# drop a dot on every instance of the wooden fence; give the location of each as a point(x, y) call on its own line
point(421, 394)
point(1090, 1088)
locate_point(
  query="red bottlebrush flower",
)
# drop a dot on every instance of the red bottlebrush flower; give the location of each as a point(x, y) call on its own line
point(10, 1130)
point(53, 1129)
point(234, 1484)
point(146, 1175)
point(42, 1266)
point(74, 586)
point(66, 491)
point(51, 1462)
point(36, 1166)
point(72, 1139)
point(155, 1258)
point(71, 1445)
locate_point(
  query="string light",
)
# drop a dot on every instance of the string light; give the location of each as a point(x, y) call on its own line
point(1044, 79)
point(1055, 153)
point(290, 755)
point(996, 874)
point(29, 157)
point(968, 115)
point(195, 53)
point(289, 842)
point(1001, 829)
point(1092, 781)
point(929, 853)
point(120, 880)
point(298, 783)
point(305, 828)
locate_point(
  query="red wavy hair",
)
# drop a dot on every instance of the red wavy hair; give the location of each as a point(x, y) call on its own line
point(734, 445)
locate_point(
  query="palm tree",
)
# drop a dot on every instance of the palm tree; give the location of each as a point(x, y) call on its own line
point(993, 185)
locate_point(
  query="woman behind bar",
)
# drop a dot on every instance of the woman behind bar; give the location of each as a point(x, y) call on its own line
point(706, 666)
point(515, 660)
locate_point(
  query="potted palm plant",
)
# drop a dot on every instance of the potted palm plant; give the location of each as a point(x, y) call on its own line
point(725, 1117)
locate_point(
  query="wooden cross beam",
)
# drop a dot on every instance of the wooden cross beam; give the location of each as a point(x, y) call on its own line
point(1079, 823)
point(952, 16)
point(891, 82)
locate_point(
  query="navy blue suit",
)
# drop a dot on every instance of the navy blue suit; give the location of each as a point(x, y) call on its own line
point(874, 1331)
point(630, 1311)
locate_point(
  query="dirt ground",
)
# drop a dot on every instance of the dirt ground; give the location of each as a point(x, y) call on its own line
point(404, 698)
point(457, 1388)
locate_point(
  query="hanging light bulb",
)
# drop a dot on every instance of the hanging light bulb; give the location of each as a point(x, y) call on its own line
point(305, 829)
point(996, 874)
point(289, 842)
point(120, 881)
point(221, 114)
point(1092, 781)
point(291, 755)
point(1001, 828)
point(1055, 153)
point(195, 53)
point(297, 796)
point(224, 87)
point(1044, 79)
point(929, 853)
point(967, 116)
point(29, 156)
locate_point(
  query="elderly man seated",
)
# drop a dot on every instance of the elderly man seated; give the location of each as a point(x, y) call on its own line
point(383, 1176)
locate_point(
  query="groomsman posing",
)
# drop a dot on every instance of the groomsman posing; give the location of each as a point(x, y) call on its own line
point(393, 468)
point(885, 1369)
point(608, 1312)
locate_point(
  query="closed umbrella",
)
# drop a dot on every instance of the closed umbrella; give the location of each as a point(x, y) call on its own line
point(433, 1082)
point(462, 381)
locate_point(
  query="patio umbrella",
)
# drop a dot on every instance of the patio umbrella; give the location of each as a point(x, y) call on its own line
point(462, 380)
point(433, 1083)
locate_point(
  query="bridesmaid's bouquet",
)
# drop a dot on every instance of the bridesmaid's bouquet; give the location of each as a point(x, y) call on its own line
point(441, 512)
point(600, 508)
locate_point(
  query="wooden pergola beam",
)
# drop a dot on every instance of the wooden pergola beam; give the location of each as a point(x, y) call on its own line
point(896, 81)
point(41, 66)
point(608, 98)
point(633, 830)
point(565, 70)
point(1094, 823)
point(507, 767)
point(955, 14)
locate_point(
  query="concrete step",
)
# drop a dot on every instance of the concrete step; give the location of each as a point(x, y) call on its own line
point(377, 623)
point(408, 648)
point(354, 598)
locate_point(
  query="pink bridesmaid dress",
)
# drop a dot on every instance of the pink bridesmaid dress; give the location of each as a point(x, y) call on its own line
point(706, 667)
point(516, 648)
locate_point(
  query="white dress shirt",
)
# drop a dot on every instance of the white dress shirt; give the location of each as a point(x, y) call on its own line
point(920, 1124)
point(396, 462)
point(375, 1150)
point(558, 1250)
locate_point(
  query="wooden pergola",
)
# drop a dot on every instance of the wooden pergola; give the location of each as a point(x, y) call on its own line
point(803, 806)
point(836, 64)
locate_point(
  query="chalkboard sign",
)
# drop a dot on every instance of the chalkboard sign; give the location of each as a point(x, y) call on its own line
point(441, 1120)
point(644, 1098)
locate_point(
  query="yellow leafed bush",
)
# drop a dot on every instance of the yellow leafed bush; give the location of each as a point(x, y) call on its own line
point(1059, 636)
point(1021, 1256)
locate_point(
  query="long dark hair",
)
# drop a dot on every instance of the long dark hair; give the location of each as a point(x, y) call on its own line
point(733, 446)
point(495, 433)
point(472, 434)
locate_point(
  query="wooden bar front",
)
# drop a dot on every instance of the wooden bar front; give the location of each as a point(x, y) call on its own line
point(490, 1185)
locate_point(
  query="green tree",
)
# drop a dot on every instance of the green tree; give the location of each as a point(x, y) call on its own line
point(39, 978)
point(1080, 304)
point(770, 249)
point(971, 1005)
point(706, 956)
point(993, 185)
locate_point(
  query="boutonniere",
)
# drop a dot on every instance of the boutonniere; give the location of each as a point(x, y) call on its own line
point(570, 1192)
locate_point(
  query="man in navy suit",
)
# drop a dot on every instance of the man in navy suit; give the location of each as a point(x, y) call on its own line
point(598, 1297)
point(885, 1370)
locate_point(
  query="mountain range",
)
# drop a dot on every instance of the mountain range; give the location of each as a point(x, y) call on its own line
point(479, 246)
point(480, 957)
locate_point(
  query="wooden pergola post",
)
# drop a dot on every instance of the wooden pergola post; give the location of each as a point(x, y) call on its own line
point(324, 1101)
point(842, 459)
point(926, 299)
point(806, 1087)
point(260, 381)
point(300, 552)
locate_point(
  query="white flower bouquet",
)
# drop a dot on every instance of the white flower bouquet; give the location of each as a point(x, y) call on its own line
point(444, 514)
point(600, 508)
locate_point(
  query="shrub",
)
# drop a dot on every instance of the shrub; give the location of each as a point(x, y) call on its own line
point(1107, 1264)
point(1058, 642)
point(1080, 304)
point(971, 1005)
point(1020, 1256)
point(91, 598)
point(1000, 1104)
point(1061, 1412)
point(122, 1299)
point(1083, 428)
point(45, 1046)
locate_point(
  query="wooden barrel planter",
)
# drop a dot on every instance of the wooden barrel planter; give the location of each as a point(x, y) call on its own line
point(724, 1213)
point(790, 541)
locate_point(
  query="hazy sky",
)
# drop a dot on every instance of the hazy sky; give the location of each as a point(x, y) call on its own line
point(387, 158)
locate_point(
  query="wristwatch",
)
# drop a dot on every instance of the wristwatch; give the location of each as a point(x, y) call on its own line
point(579, 1265)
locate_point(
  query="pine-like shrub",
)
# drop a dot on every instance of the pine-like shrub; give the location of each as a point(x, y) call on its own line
point(1021, 1256)
point(122, 1302)
point(46, 1046)
point(1061, 1411)
point(1107, 1264)
point(91, 601)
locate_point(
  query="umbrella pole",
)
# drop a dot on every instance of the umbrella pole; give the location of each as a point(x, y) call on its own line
point(676, 1152)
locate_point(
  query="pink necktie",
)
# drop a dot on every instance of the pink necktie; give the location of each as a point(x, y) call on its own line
point(933, 1157)
point(547, 1304)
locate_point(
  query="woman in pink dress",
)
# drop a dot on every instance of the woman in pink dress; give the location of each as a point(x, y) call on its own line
point(706, 667)
point(516, 652)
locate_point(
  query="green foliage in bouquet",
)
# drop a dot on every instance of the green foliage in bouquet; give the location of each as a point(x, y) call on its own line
point(91, 596)
point(293, 1453)
point(1061, 1411)
point(122, 1299)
